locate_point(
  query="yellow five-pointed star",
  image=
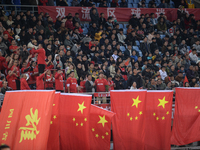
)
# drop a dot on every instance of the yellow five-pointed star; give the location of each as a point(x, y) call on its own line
point(136, 118)
point(136, 102)
point(54, 117)
point(97, 135)
point(140, 113)
point(163, 118)
point(93, 129)
point(81, 107)
point(102, 120)
point(81, 124)
point(162, 102)
point(102, 137)
point(85, 119)
point(106, 133)
point(74, 119)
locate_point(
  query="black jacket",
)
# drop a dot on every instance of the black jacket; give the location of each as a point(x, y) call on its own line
point(88, 86)
point(135, 78)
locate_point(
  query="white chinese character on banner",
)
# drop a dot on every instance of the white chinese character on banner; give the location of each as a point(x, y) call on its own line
point(60, 11)
point(85, 13)
point(187, 12)
point(159, 11)
point(111, 12)
point(136, 11)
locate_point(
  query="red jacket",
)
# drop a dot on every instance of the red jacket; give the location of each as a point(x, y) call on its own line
point(9, 37)
point(2, 60)
point(59, 82)
point(41, 56)
point(69, 24)
point(79, 29)
point(40, 82)
point(11, 81)
point(24, 84)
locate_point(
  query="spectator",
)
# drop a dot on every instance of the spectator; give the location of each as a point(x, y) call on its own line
point(193, 56)
point(163, 73)
point(59, 79)
point(89, 84)
point(114, 3)
point(5, 87)
point(102, 20)
point(160, 85)
point(135, 78)
point(161, 26)
point(40, 82)
point(71, 83)
point(69, 23)
point(118, 83)
point(152, 85)
point(183, 48)
point(123, 3)
point(23, 82)
point(134, 86)
point(75, 3)
point(41, 58)
point(110, 83)
point(162, 4)
point(62, 3)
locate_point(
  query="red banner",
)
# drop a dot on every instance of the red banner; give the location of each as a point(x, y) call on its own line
point(121, 14)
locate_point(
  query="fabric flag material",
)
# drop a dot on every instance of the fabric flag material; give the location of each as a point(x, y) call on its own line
point(158, 120)
point(129, 121)
point(25, 119)
point(185, 80)
point(74, 121)
point(100, 126)
point(187, 116)
point(53, 140)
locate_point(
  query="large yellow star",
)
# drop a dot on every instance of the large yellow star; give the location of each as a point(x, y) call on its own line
point(102, 120)
point(162, 102)
point(136, 102)
point(81, 107)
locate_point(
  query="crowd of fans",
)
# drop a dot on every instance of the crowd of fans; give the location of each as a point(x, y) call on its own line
point(37, 53)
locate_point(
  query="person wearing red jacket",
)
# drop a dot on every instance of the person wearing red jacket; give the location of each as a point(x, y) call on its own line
point(69, 23)
point(13, 47)
point(8, 33)
point(11, 79)
point(2, 60)
point(59, 79)
point(16, 70)
point(23, 83)
point(40, 81)
point(41, 58)
point(71, 84)
point(110, 83)
point(49, 80)
point(78, 26)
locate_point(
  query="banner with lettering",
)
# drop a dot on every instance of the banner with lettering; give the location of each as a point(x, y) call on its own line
point(25, 119)
point(121, 14)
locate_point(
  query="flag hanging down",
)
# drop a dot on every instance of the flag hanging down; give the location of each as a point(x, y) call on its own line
point(25, 119)
point(53, 140)
point(158, 120)
point(129, 121)
point(74, 121)
point(187, 116)
point(100, 126)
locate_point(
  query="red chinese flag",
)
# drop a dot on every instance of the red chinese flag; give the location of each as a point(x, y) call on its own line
point(100, 124)
point(53, 140)
point(74, 121)
point(158, 120)
point(187, 116)
point(25, 119)
point(129, 121)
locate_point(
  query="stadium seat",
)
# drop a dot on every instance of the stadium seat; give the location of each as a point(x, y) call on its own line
point(147, 1)
point(120, 25)
point(162, 36)
point(135, 5)
point(136, 1)
point(130, 1)
point(125, 25)
point(97, 4)
point(137, 43)
point(122, 48)
point(172, 4)
point(188, 47)
point(130, 5)
point(147, 5)
point(124, 30)
point(85, 31)
point(86, 25)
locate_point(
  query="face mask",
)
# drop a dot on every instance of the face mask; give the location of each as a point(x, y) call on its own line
point(157, 64)
point(18, 39)
point(68, 48)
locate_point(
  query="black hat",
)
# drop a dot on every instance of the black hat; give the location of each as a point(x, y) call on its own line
point(153, 38)
point(120, 29)
point(161, 14)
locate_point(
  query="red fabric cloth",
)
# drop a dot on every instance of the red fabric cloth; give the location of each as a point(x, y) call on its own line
point(129, 122)
point(41, 56)
point(24, 84)
point(40, 82)
point(69, 24)
point(49, 81)
point(158, 120)
point(74, 121)
point(26, 114)
point(79, 29)
point(53, 140)
point(186, 117)
point(11, 81)
point(100, 132)
point(9, 37)
point(59, 82)
point(72, 84)
point(100, 85)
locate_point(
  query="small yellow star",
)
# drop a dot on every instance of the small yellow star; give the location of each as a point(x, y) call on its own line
point(131, 118)
point(106, 133)
point(163, 118)
point(85, 119)
point(51, 122)
point(54, 117)
point(81, 107)
point(140, 113)
point(97, 135)
point(136, 118)
point(162, 102)
point(102, 137)
point(74, 119)
point(76, 124)
point(199, 110)
point(196, 107)
point(81, 124)
point(93, 129)
point(54, 104)
point(128, 114)
point(136, 102)
point(157, 118)
point(167, 113)
point(154, 114)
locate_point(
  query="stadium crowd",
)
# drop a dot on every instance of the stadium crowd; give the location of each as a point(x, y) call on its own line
point(154, 54)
